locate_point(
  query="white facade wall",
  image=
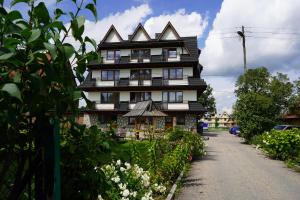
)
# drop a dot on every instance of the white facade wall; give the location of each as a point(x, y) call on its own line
point(124, 96)
point(169, 35)
point(140, 36)
point(124, 73)
point(94, 96)
point(190, 95)
point(112, 37)
point(156, 95)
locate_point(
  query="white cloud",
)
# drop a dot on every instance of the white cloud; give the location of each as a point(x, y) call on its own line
point(187, 24)
point(223, 56)
point(223, 91)
point(125, 22)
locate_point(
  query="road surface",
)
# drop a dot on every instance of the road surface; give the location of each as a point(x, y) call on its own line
point(235, 171)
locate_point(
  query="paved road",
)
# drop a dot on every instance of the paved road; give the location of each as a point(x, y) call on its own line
point(235, 171)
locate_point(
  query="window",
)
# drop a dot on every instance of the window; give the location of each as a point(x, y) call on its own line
point(172, 97)
point(180, 120)
point(139, 96)
point(172, 53)
point(140, 74)
point(106, 97)
point(110, 75)
point(113, 54)
point(109, 97)
point(140, 53)
point(169, 53)
point(173, 73)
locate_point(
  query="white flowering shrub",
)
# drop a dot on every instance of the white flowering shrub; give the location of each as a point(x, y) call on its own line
point(129, 182)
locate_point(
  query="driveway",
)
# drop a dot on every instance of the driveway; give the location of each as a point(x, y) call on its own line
point(235, 171)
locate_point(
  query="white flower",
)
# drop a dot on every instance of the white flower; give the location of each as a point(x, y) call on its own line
point(116, 179)
point(128, 166)
point(125, 193)
point(118, 162)
point(122, 186)
point(122, 169)
point(100, 197)
point(133, 194)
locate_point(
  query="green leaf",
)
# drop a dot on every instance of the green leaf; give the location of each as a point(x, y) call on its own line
point(17, 77)
point(35, 34)
point(77, 95)
point(80, 21)
point(92, 8)
point(14, 2)
point(68, 50)
point(77, 26)
point(41, 13)
point(6, 56)
point(13, 15)
point(58, 12)
point(57, 24)
point(91, 41)
point(13, 90)
point(52, 49)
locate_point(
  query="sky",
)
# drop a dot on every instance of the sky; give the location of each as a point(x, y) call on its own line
point(272, 30)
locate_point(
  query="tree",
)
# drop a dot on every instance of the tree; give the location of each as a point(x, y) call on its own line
point(208, 100)
point(38, 69)
point(261, 99)
point(294, 103)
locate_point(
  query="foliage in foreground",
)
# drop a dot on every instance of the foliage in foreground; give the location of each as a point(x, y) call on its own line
point(88, 152)
point(126, 181)
point(283, 145)
point(38, 73)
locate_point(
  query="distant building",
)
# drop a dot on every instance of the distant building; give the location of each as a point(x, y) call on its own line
point(223, 120)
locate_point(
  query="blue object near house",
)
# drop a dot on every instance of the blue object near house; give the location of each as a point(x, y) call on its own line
point(235, 130)
point(205, 125)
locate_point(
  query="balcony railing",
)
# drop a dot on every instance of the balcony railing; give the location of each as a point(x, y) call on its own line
point(155, 81)
point(151, 58)
point(125, 106)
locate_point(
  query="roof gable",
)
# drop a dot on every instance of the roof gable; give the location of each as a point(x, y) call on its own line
point(140, 34)
point(169, 33)
point(112, 35)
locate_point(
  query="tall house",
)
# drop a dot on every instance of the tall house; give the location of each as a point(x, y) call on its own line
point(164, 69)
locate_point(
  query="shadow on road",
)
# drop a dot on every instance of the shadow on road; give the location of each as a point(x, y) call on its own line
point(209, 134)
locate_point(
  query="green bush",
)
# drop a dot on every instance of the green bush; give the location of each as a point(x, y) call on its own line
point(282, 145)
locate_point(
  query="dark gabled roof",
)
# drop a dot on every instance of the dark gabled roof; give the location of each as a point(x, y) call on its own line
point(145, 109)
point(169, 25)
point(112, 28)
point(139, 27)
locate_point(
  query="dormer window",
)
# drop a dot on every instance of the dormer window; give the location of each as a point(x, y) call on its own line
point(113, 54)
point(172, 53)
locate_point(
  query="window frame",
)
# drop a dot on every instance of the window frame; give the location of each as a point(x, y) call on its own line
point(139, 96)
point(140, 74)
point(105, 95)
point(139, 53)
point(113, 75)
point(175, 95)
point(169, 49)
point(114, 54)
point(168, 70)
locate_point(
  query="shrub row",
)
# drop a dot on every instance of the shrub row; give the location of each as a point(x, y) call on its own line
point(283, 145)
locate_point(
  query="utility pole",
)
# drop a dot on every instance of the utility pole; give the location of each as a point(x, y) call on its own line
point(242, 35)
